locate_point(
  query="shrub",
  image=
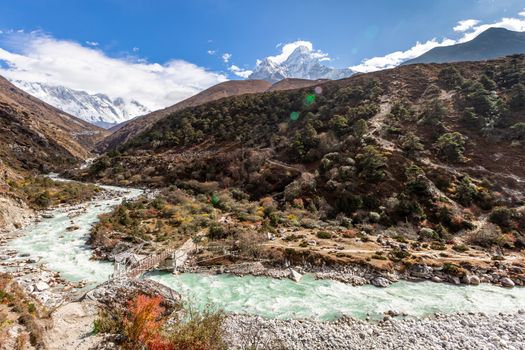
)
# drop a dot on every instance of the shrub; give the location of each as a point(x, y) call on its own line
point(503, 216)
point(460, 248)
point(466, 192)
point(144, 322)
point(488, 83)
point(371, 164)
point(518, 131)
point(411, 144)
point(434, 112)
point(217, 231)
point(517, 97)
point(324, 235)
point(451, 146)
point(471, 119)
point(43, 200)
point(486, 237)
point(454, 270)
point(401, 110)
point(200, 330)
point(450, 77)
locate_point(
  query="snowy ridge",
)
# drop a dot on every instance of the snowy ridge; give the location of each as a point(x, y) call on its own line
point(98, 109)
point(302, 63)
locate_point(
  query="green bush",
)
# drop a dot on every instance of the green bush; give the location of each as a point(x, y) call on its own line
point(324, 235)
point(434, 112)
point(518, 131)
point(217, 231)
point(371, 164)
point(450, 77)
point(517, 97)
point(411, 144)
point(503, 216)
point(450, 146)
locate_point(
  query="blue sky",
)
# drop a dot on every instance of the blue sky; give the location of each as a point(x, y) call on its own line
point(162, 31)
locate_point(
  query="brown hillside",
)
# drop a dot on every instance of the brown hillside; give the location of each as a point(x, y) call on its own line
point(292, 83)
point(37, 136)
point(126, 131)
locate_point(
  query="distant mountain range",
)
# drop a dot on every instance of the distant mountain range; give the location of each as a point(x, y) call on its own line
point(491, 44)
point(98, 109)
point(302, 64)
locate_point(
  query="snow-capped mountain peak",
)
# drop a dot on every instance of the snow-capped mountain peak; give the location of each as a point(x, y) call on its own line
point(303, 63)
point(98, 109)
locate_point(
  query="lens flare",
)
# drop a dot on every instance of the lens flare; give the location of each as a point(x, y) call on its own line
point(318, 90)
point(294, 115)
point(309, 99)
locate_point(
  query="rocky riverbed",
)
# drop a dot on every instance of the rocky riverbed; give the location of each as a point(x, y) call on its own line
point(459, 331)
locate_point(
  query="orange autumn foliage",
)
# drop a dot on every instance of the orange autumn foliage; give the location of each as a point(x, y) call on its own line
point(144, 322)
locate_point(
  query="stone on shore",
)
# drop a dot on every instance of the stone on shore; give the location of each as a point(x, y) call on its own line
point(506, 282)
point(471, 279)
point(41, 286)
point(380, 282)
point(294, 275)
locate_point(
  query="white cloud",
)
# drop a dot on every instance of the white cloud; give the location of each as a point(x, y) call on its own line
point(91, 43)
point(465, 25)
point(41, 58)
point(472, 30)
point(515, 24)
point(243, 73)
point(522, 13)
point(288, 48)
point(226, 57)
point(395, 58)
point(135, 49)
point(212, 52)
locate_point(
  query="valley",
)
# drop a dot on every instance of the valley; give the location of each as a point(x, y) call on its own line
point(382, 210)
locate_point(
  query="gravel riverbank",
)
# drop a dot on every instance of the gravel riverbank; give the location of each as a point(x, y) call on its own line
point(458, 331)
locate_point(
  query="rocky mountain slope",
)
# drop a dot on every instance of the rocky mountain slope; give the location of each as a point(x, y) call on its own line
point(491, 44)
point(37, 136)
point(126, 131)
point(301, 64)
point(405, 147)
point(98, 109)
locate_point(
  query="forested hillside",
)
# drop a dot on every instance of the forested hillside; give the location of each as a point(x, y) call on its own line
point(435, 146)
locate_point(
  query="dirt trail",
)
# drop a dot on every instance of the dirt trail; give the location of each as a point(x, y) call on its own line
point(376, 123)
point(73, 327)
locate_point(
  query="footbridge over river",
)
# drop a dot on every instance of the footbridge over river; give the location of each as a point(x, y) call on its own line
point(131, 265)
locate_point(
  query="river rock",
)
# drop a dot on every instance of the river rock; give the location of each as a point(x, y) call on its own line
point(294, 275)
point(471, 279)
point(380, 282)
point(422, 271)
point(41, 286)
point(506, 282)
